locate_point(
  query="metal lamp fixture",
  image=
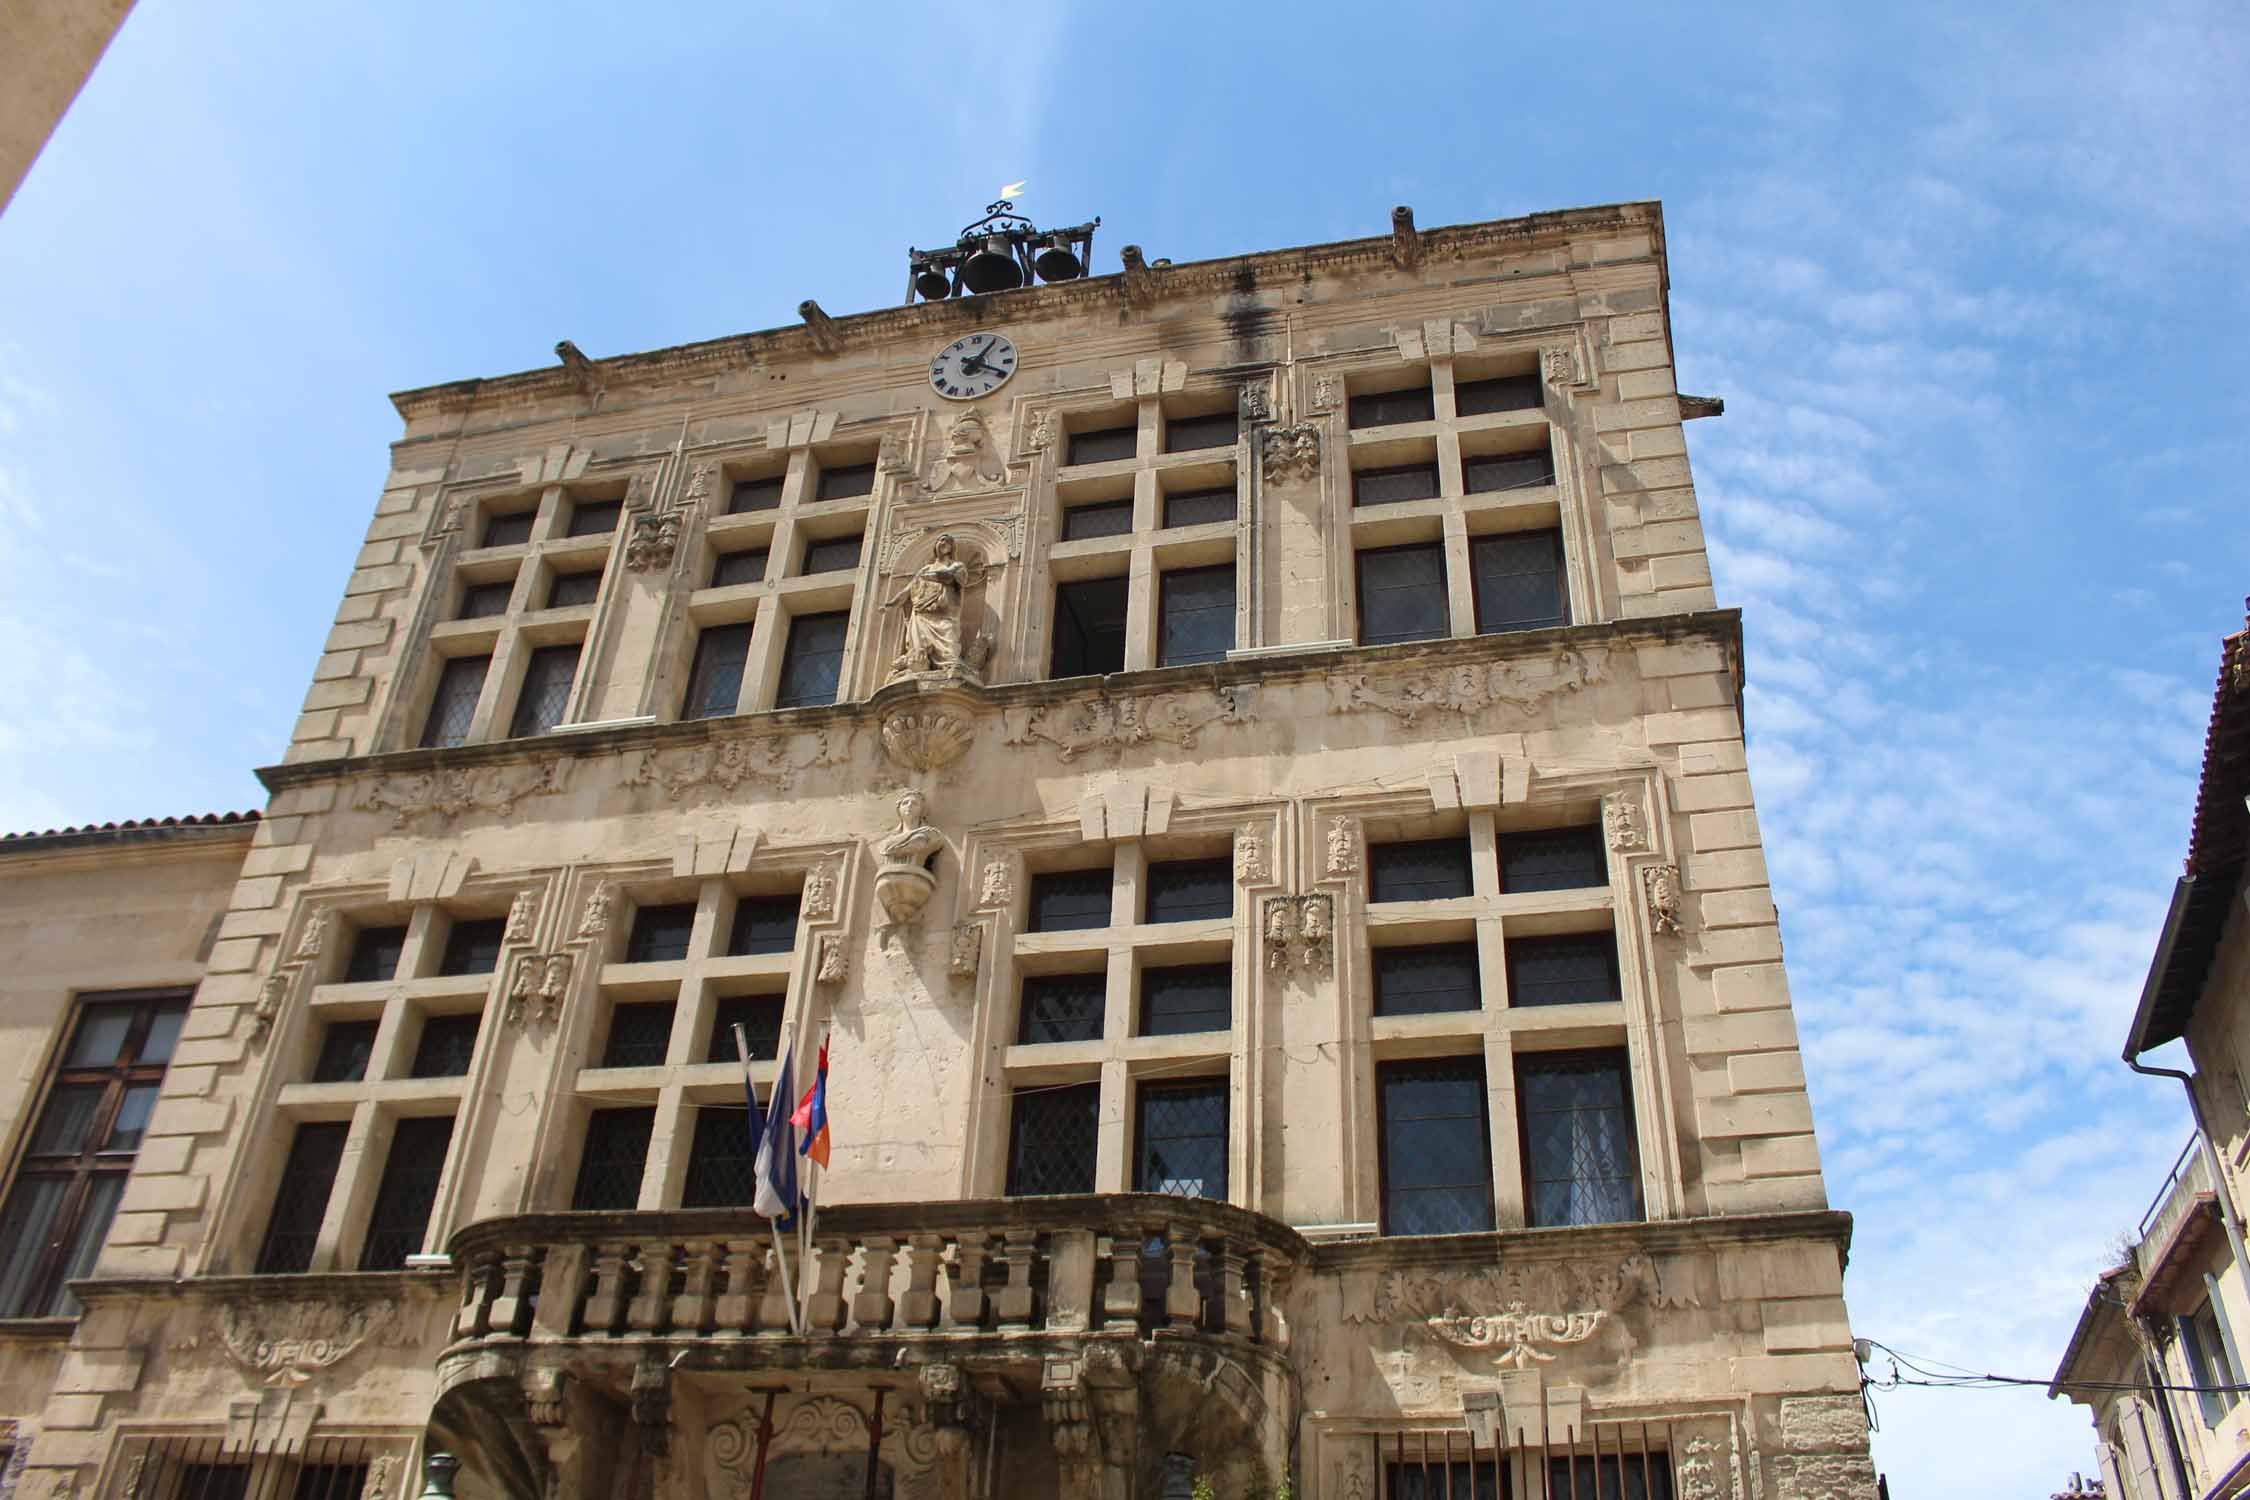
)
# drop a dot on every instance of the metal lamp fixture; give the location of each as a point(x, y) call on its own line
point(437, 1476)
point(998, 253)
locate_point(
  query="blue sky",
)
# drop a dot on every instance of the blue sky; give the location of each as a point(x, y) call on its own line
point(1970, 286)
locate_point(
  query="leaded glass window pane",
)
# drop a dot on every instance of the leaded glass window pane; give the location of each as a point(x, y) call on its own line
point(1190, 997)
point(482, 600)
point(1610, 1477)
point(346, 1047)
point(1185, 434)
point(1426, 980)
point(401, 1219)
point(609, 1174)
point(812, 663)
point(546, 690)
point(760, 1019)
point(1180, 1143)
point(1104, 518)
point(1476, 398)
point(1402, 594)
point(734, 568)
point(473, 946)
point(595, 517)
point(1579, 1161)
point(832, 554)
point(570, 589)
point(1389, 486)
point(1070, 900)
point(1195, 615)
point(510, 530)
point(1518, 579)
point(1418, 870)
point(1553, 859)
point(446, 1045)
point(375, 954)
point(1062, 1008)
point(1189, 890)
point(1051, 1139)
point(1578, 968)
point(453, 706)
point(1488, 472)
point(1090, 627)
point(765, 924)
point(762, 493)
point(639, 1035)
point(721, 1166)
point(301, 1198)
point(660, 934)
point(1437, 1147)
point(1104, 446)
point(847, 481)
point(715, 681)
point(1386, 408)
point(1199, 507)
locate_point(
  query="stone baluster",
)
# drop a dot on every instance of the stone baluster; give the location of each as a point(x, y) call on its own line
point(650, 1311)
point(608, 1300)
point(1273, 1289)
point(509, 1308)
point(562, 1283)
point(825, 1311)
point(1016, 1301)
point(774, 1313)
point(1234, 1287)
point(872, 1307)
point(472, 1318)
point(1183, 1304)
point(737, 1310)
point(692, 1310)
point(969, 1298)
point(1121, 1295)
point(1070, 1280)
point(918, 1304)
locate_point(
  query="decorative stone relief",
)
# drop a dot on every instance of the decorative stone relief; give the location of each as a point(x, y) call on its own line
point(135, 1472)
point(934, 639)
point(900, 537)
point(315, 934)
point(1536, 1309)
point(1250, 857)
point(594, 920)
point(286, 1342)
point(640, 493)
point(1466, 690)
point(446, 795)
point(1343, 846)
point(824, 1425)
point(1042, 434)
point(1621, 822)
point(449, 517)
point(819, 900)
point(998, 887)
point(382, 1477)
point(1706, 1469)
point(523, 912)
point(903, 881)
point(1291, 453)
point(968, 463)
point(1300, 933)
point(654, 543)
point(968, 948)
point(928, 739)
point(1114, 723)
point(536, 989)
point(268, 1009)
point(727, 762)
point(835, 961)
point(892, 455)
point(1661, 884)
point(1256, 402)
point(651, 1396)
point(1351, 1477)
point(1327, 392)
point(698, 493)
point(544, 1391)
point(1559, 363)
point(1517, 1336)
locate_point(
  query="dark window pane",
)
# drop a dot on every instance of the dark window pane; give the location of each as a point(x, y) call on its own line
point(1437, 1147)
point(763, 493)
point(401, 1219)
point(1196, 613)
point(375, 954)
point(67, 1123)
point(454, 704)
point(325, 1482)
point(83, 1244)
point(609, 1174)
point(1189, 890)
point(1199, 507)
point(1423, 870)
point(846, 482)
point(639, 1035)
point(473, 947)
point(546, 690)
point(1402, 594)
point(765, 924)
point(1519, 581)
point(1553, 859)
point(1486, 472)
point(595, 517)
point(660, 934)
point(1383, 408)
point(510, 530)
point(100, 1037)
point(1051, 1136)
point(1578, 1158)
point(1089, 627)
point(131, 1120)
point(1610, 1477)
point(833, 554)
point(480, 600)
point(735, 568)
point(1105, 518)
point(1439, 1480)
point(574, 588)
point(163, 1034)
point(1192, 997)
point(1577, 969)
point(302, 1197)
point(1386, 486)
point(715, 681)
point(1104, 446)
point(720, 1161)
point(812, 664)
point(1183, 434)
point(1180, 1146)
point(1062, 1008)
point(28, 1230)
point(1070, 900)
point(447, 1044)
point(759, 1016)
point(346, 1048)
point(1476, 398)
point(1424, 981)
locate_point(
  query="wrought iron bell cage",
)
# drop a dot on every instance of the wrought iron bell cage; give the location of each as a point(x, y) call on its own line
point(998, 253)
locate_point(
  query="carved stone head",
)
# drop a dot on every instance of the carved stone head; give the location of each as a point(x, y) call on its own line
point(912, 805)
point(942, 550)
point(966, 436)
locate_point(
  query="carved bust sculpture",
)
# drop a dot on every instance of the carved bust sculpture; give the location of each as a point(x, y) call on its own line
point(932, 600)
point(903, 881)
point(968, 459)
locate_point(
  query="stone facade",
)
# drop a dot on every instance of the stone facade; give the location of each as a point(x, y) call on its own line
point(657, 511)
point(47, 50)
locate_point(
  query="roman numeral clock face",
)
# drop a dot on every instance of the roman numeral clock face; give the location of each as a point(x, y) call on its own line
point(973, 365)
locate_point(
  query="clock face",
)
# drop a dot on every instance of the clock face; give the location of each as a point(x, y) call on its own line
point(973, 365)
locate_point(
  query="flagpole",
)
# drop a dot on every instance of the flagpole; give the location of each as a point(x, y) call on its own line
point(812, 1217)
point(780, 1252)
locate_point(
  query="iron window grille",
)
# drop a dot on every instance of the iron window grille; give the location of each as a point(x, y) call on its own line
point(1199, 507)
point(1102, 518)
point(569, 589)
point(1487, 473)
point(473, 946)
point(1419, 870)
point(812, 663)
point(1102, 446)
point(765, 924)
point(1062, 1008)
point(1195, 610)
point(736, 568)
point(846, 482)
point(1186, 434)
point(1518, 581)
point(300, 1200)
point(1477, 398)
point(375, 954)
point(1426, 980)
point(1189, 890)
point(715, 680)
point(403, 1199)
point(1052, 1135)
point(759, 1016)
point(1553, 859)
point(453, 704)
point(1402, 593)
point(760, 493)
point(74, 1165)
point(1394, 485)
point(1389, 408)
point(832, 554)
point(1090, 627)
point(594, 517)
point(660, 934)
point(1187, 998)
point(482, 600)
point(1631, 1476)
point(1578, 968)
point(1460, 1479)
point(640, 1036)
point(609, 1173)
point(1580, 1163)
point(1180, 1140)
point(1070, 900)
point(721, 1166)
point(346, 1047)
point(446, 1045)
point(1436, 1147)
point(546, 690)
point(214, 1467)
point(510, 530)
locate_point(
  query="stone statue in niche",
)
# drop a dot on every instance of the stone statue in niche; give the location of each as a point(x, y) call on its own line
point(903, 879)
point(969, 462)
point(933, 601)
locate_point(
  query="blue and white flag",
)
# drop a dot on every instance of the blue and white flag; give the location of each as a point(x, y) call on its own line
point(776, 1168)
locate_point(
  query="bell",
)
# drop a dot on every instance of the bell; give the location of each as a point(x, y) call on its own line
point(1056, 263)
point(991, 269)
point(931, 283)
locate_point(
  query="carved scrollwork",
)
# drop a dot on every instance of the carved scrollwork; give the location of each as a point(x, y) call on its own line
point(727, 763)
point(446, 795)
point(1516, 1335)
point(1467, 690)
point(1116, 723)
point(286, 1342)
point(1520, 1312)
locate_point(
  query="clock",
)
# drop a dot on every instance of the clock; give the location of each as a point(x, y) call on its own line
point(973, 365)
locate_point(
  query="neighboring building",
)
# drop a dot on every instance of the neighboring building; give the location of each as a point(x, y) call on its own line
point(1256, 800)
point(2158, 1353)
point(47, 50)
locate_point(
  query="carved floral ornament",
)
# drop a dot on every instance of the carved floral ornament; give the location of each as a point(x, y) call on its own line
point(446, 795)
point(1661, 884)
point(1521, 1315)
point(1468, 690)
point(285, 1342)
point(727, 762)
point(1103, 722)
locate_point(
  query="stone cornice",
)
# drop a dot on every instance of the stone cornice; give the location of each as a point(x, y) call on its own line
point(1651, 1237)
point(1721, 625)
point(1150, 288)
